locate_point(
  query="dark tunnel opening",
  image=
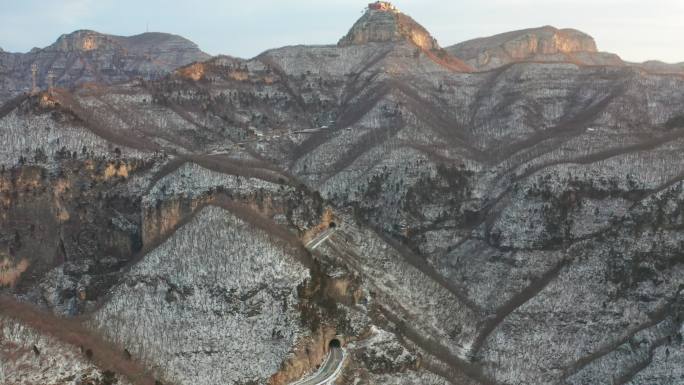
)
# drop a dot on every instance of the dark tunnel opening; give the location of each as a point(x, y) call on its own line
point(335, 344)
point(332, 225)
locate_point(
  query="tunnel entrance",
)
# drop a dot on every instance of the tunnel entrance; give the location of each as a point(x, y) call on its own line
point(332, 225)
point(335, 344)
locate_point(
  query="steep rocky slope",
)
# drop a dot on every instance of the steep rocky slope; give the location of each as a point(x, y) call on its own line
point(89, 56)
point(384, 23)
point(520, 225)
point(386, 26)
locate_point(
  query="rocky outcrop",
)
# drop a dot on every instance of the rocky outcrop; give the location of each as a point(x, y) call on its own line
point(656, 66)
point(88, 56)
point(307, 355)
point(388, 25)
point(536, 44)
point(66, 232)
point(383, 23)
point(60, 207)
point(83, 41)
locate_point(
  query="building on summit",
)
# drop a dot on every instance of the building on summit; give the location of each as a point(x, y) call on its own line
point(382, 6)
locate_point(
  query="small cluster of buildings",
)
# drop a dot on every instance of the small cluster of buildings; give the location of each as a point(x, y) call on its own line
point(382, 6)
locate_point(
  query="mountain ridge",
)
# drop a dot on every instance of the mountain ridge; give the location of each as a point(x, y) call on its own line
point(384, 23)
point(545, 43)
point(88, 56)
point(237, 219)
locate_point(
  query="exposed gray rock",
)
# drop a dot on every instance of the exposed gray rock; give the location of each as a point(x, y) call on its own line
point(536, 44)
point(388, 26)
point(88, 56)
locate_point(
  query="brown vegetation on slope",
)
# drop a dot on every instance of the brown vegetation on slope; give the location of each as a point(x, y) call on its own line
point(73, 332)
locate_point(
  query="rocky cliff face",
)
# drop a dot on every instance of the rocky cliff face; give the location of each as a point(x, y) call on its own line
point(537, 44)
point(388, 26)
point(545, 44)
point(520, 225)
point(89, 56)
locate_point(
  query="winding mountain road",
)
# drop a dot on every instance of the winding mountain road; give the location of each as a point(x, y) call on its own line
point(320, 238)
point(329, 370)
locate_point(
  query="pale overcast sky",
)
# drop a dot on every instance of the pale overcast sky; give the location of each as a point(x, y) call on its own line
point(636, 30)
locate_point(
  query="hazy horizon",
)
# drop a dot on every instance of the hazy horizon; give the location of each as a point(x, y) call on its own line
point(637, 31)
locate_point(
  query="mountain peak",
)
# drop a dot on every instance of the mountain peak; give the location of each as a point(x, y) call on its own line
point(144, 43)
point(382, 6)
point(86, 56)
point(383, 22)
point(525, 42)
point(82, 40)
point(545, 43)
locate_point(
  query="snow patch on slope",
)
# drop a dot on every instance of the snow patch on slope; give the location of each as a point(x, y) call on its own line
point(216, 303)
point(55, 363)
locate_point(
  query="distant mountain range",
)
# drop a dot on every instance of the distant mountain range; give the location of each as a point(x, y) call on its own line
point(88, 56)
